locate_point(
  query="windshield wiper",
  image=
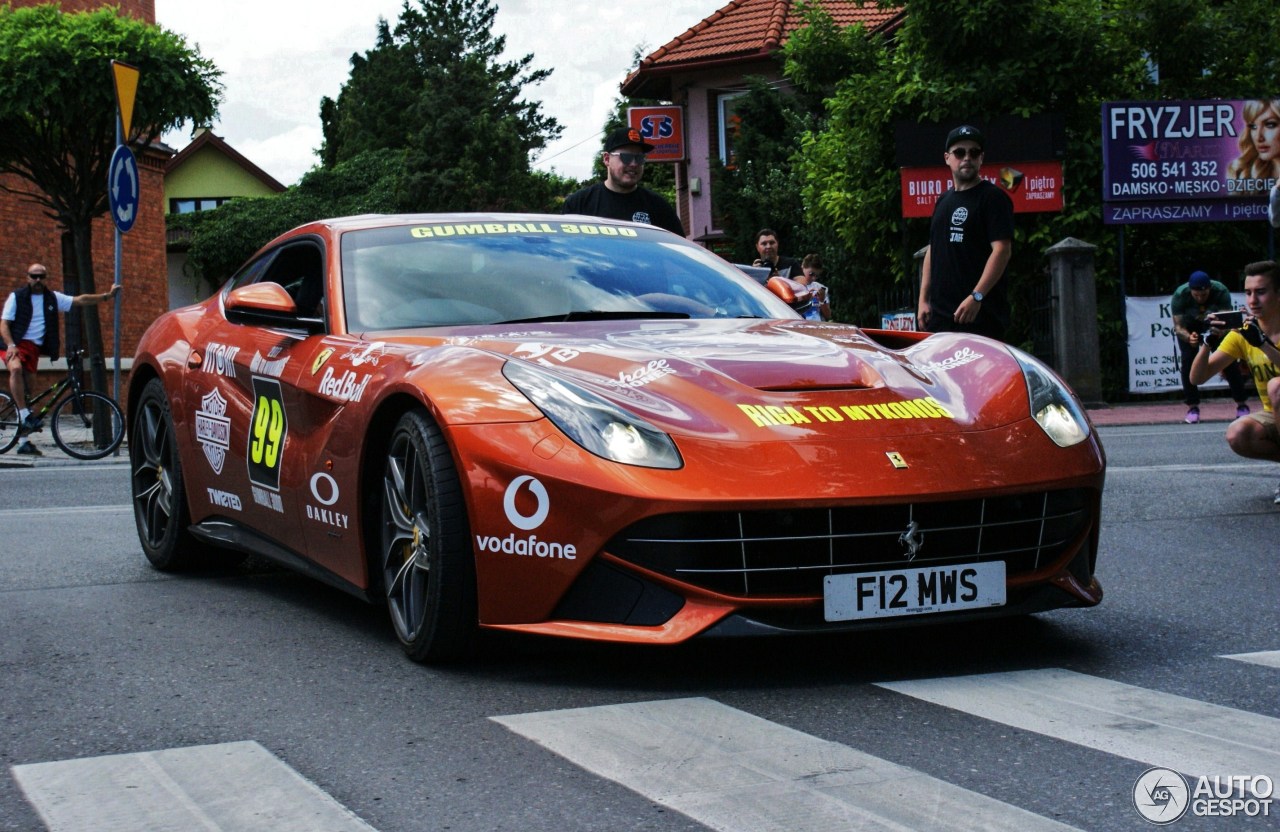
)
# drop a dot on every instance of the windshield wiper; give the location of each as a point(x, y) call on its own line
point(601, 315)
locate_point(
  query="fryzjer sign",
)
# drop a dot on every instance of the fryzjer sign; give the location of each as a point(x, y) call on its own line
point(1189, 161)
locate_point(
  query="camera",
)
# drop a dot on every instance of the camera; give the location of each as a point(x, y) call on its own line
point(1200, 326)
point(1231, 320)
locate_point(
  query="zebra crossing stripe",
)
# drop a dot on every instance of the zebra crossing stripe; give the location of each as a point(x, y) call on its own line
point(231, 787)
point(736, 772)
point(1159, 729)
point(1267, 658)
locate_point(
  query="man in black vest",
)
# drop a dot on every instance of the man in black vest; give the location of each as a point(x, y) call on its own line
point(29, 328)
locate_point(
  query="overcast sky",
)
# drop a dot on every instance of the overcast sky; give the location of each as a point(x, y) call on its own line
point(280, 57)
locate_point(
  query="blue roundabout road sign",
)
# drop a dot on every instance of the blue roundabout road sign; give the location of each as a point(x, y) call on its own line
point(123, 188)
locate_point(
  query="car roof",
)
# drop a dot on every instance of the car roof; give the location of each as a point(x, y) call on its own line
point(365, 221)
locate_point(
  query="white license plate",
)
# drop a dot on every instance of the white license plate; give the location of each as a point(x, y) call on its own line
point(931, 589)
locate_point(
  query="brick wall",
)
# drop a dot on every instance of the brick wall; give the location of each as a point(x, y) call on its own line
point(141, 9)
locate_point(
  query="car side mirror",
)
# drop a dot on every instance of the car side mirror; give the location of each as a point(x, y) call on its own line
point(791, 292)
point(268, 304)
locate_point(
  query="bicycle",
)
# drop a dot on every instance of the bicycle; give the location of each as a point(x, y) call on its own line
point(85, 424)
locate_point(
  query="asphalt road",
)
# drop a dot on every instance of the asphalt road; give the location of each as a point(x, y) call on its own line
point(258, 699)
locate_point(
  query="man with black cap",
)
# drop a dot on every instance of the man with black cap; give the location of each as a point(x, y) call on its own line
point(1191, 301)
point(970, 243)
point(620, 196)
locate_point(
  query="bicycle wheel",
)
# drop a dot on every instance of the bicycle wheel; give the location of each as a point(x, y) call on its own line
point(8, 423)
point(87, 426)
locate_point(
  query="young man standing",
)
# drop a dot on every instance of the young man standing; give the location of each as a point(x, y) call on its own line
point(620, 196)
point(970, 243)
point(1253, 435)
point(29, 327)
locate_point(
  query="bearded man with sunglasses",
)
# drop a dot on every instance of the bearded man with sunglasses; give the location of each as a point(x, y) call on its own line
point(620, 196)
point(970, 243)
point(29, 327)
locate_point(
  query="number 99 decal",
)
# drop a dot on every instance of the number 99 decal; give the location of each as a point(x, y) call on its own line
point(267, 431)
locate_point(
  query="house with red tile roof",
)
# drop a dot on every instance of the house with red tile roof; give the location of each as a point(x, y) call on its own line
point(203, 175)
point(703, 69)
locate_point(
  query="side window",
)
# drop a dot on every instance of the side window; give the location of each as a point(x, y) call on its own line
point(299, 268)
point(250, 273)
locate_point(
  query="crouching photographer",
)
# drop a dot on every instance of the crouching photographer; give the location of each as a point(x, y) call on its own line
point(1253, 435)
point(1192, 301)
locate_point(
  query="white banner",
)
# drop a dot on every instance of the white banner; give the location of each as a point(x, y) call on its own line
point(1154, 358)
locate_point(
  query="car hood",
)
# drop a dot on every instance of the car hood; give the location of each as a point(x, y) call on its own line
point(692, 376)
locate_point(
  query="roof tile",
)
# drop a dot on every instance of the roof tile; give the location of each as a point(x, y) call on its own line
point(754, 28)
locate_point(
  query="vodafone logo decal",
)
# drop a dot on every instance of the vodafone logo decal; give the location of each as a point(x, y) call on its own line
point(528, 545)
point(539, 492)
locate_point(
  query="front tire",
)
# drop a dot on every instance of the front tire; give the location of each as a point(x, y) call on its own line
point(428, 569)
point(160, 508)
point(87, 426)
point(8, 423)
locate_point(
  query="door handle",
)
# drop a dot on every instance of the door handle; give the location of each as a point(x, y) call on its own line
point(194, 359)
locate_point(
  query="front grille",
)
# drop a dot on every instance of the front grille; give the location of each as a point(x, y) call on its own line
point(788, 552)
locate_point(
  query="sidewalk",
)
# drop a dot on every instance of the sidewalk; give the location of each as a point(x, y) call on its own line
point(1164, 413)
point(53, 455)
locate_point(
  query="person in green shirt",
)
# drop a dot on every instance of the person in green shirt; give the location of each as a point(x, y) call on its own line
point(1191, 302)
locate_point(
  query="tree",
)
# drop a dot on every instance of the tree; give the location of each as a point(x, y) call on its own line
point(944, 67)
point(58, 114)
point(373, 108)
point(762, 187)
point(434, 88)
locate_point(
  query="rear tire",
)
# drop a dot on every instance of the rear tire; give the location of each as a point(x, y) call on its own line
point(8, 423)
point(87, 426)
point(160, 508)
point(428, 569)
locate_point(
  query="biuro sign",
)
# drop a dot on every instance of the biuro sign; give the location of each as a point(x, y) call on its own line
point(662, 127)
point(1033, 186)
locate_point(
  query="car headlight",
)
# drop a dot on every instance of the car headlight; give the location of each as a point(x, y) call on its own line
point(1053, 405)
point(595, 423)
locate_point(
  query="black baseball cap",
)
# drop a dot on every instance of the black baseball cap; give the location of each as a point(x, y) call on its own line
point(964, 131)
point(624, 136)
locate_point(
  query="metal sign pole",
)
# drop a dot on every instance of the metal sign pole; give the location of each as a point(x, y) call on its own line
point(124, 206)
point(115, 326)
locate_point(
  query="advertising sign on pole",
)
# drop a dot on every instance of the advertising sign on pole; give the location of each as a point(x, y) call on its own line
point(1154, 357)
point(1188, 161)
point(1033, 186)
point(662, 127)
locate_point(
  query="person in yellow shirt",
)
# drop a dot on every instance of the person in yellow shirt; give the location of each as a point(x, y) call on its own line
point(1254, 436)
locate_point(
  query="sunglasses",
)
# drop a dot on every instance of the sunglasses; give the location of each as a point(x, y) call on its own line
point(37, 275)
point(630, 158)
point(961, 152)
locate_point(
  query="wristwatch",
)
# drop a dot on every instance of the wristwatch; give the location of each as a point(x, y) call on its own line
point(978, 296)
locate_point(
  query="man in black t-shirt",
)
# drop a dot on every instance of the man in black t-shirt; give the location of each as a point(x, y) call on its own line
point(620, 196)
point(970, 243)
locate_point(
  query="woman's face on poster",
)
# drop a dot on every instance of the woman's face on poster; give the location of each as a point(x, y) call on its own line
point(1264, 132)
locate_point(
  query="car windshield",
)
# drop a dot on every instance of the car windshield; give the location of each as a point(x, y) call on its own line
point(545, 269)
